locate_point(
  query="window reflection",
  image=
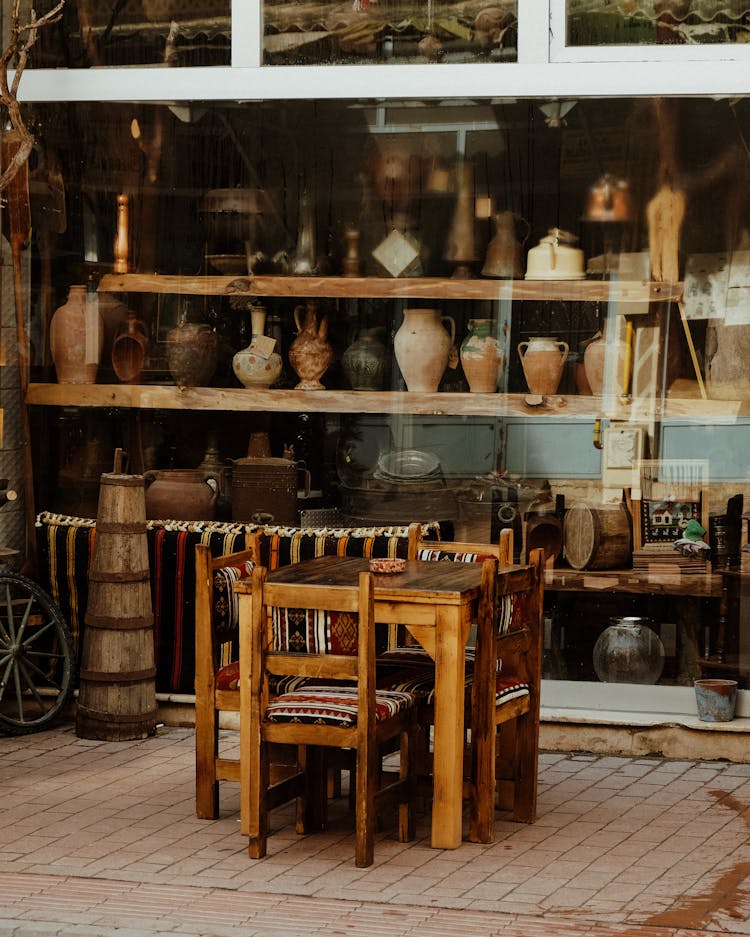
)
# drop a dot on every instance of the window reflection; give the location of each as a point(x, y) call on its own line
point(393, 32)
point(95, 33)
point(657, 22)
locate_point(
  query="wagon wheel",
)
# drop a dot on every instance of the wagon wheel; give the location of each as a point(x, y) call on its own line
point(36, 657)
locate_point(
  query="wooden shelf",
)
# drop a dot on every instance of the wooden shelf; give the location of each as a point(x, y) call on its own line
point(171, 397)
point(393, 288)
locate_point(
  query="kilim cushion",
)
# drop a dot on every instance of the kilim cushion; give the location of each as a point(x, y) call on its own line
point(225, 603)
point(315, 631)
point(333, 706)
point(421, 682)
point(446, 556)
point(228, 678)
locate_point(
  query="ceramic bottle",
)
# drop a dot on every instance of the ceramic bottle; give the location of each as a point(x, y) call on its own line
point(252, 365)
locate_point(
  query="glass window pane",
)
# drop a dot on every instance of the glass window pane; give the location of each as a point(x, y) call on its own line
point(95, 33)
point(400, 32)
point(657, 22)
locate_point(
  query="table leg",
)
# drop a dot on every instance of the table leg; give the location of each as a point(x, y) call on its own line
point(447, 778)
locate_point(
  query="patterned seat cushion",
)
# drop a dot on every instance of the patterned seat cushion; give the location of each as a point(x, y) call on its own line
point(228, 678)
point(421, 682)
point(333, 706)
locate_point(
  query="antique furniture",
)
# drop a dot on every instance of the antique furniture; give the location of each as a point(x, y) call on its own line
point(278, 644)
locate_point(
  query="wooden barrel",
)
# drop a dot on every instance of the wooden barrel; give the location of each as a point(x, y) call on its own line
point(117, 692)
point(597, 537)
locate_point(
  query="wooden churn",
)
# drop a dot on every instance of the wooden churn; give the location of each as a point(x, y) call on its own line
point(117, 691)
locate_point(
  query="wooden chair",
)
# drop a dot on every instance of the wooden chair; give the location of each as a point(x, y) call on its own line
point(332, 715)
point(216, 666)
point(504, 674)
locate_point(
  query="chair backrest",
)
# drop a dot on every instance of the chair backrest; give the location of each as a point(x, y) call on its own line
point(277, 607)
point(216, 608)
point(462, 552)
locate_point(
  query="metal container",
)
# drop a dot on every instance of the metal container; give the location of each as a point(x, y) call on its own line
point(265, 490)
point(716, 700)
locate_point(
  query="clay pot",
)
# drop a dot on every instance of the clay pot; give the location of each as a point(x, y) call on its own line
point(310, 354)
point(422, 347)
point(76, 338)
point(180, 494)
point(192, 353)
point(543, 360)
point(365, 361)
point(481, 357)
point(504, 252)
point(252, 368)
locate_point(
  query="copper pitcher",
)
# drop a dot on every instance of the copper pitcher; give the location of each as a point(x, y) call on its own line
point(609, 199)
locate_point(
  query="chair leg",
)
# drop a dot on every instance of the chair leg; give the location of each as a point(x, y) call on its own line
point(258, 803)
point(407, 824)
point(367, 777)
point(206, 753)
point(482, 807)
point(527, 769)
point(314, 807)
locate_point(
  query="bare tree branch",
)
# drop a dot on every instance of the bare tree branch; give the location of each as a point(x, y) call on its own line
point(22, 38)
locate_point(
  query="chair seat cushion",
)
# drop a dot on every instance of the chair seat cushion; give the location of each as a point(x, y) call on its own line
point(420, 681)
point(333, 706)
point(228, 678)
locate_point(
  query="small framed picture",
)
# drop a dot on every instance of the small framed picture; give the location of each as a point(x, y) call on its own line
point(623, 446)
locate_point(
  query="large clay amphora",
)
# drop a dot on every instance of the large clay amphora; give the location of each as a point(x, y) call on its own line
point(180, 494)
point(481, 357)
point(310, 353)
point(543, 360)
point(422, 347)
point(76, 337)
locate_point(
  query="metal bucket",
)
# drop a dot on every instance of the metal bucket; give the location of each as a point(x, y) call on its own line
point(265, 490)
point(716, 699)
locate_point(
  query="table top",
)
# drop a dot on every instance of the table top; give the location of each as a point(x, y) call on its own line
point(447, 583)
point(629, 580)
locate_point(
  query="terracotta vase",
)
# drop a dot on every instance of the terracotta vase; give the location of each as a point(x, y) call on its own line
point(460, 245)
point(76, 338)
point(253, 366)
point(192, 353)
point(481, 357)
point(422, 347)
point(600, 356)
point(365, 361)
point(180, 494)
point(310, 354)
point(543, 360)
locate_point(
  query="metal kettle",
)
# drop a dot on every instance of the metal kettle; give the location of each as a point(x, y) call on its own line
point(608, 199)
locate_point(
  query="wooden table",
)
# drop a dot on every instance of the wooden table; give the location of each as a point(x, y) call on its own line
point(437, 603)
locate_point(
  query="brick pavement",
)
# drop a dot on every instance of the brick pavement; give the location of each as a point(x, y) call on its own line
point(100, 839)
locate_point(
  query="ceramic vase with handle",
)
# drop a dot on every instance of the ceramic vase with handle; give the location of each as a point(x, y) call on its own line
point(481, 357)
point(310, 354)
point(365, 361)
point(422, 347)
point(543, 360)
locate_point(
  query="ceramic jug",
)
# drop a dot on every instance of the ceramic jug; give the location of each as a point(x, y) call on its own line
point(76, 337)
point(543, 360)
point(310, 354)
point(595, 364)
point(253, 368)
point(504, 252)
point(481, 357)
point(422, 347)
